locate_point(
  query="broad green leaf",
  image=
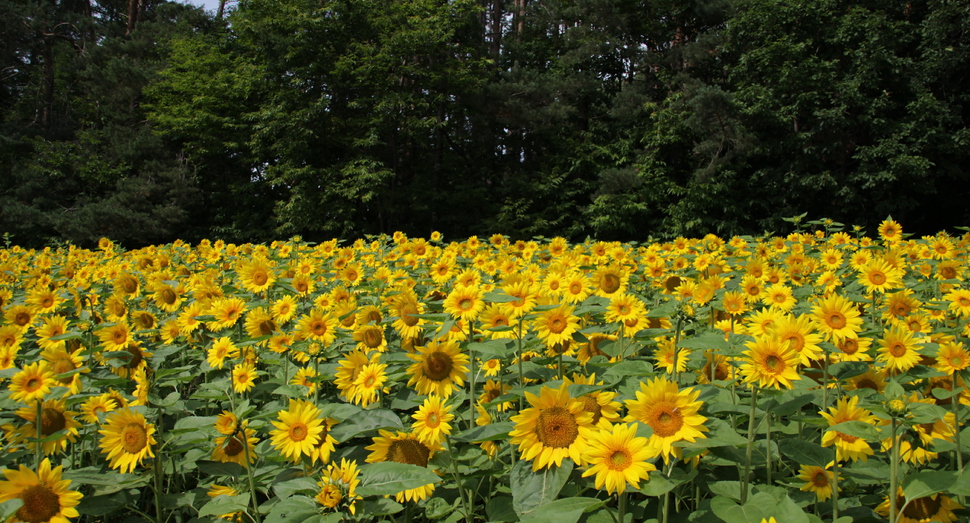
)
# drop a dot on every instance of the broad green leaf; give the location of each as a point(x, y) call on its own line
point(389, 478)
point(100, 505)
point(285, 489)
point(492, 432)
point(859, 429)
point(928, 482)
point(374, 420)
point(295, 509)
point(806, 452)
point(567, 510)
point(490, 349)
point(224, 505)
point(499, 508)
point(658, 485)
point(531, 490)
point(380, 506)
point(217, 468)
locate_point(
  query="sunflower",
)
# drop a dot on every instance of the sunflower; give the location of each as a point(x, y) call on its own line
point(44, 300)
point(32, 383)
point(780, 296)
point(464, 302)
point(54, 418)
point(879, 276)
point(405, 448)
point(127, 284)
point(338, 486)
point(576, 287)
point(256, 276)
point(610, 280)
point(127, 438)
point(899, 305)
point(890, 230)
point(221, 349)
point(227, 423)
point(722, 368)
point(318, 326)
point(45, 496)
point(405, 307)
point(431, 421)
point(232, 449)
point(284, 309)
point(847, 447)
point(439, 368)
point(370, 337)
point(554, 428)
point(62, 362)
point(94, 406)
point(959, 301)
point(837, 318)
point(872, 378)
point(899, 351)
point(751, 287)
point(799, 333)
point(619, 458)
point(624, 306)
point(666, 354)
point(115, 337)
point(349, 368)
point(53, 326)
point(11, 337)
point(298, 430)
point(817, 480)
point(952, 358)
point(762, 322)
point(936, 507)
point(734, 303)
point(671, 413)
point(243, 377)
point(167, 297)
point(20, 315)
point(557, 325)
point(770, 363)
point(305, 376)
point(853, 349)
point(491, 391)
point(368, 382)
point(601, 403)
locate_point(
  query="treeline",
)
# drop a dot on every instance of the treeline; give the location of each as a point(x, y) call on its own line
point(148, 120)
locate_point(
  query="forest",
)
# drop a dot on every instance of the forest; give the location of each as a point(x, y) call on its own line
point(146, 121)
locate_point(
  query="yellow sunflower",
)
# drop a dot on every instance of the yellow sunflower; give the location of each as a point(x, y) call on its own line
point(899, 351)
point(439, 368)
point(847, 446)
point(45, 496)
point(406, 448)
point(432, 421)
point(227, 312)
point(115, 337)
point(922, 510)
point(94, 406)
point(610, 280)
point(127, 438)
point(54, 418)
point(465, 303)
point(837, 318)
point(243, 377)
point(256, 276)
point(554, 428)
point(817, 480)
point(879, 276)
point(221, 349)
point(799, 333)
point(338, 486)
point(327, 443)
point(298, 430)
point(959, 301)
point(369, 381)
point(952, 358)
point(370, 337)
point(770, 363)
point(284, 309)
point(32, 383)
point(576, 287)
point(619, 458)
point(557, 326)
point(671, 413)
point(232, 449)
point(259, 322)
point(318, 326)
point(601, 403)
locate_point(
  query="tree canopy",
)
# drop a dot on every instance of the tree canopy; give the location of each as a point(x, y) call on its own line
point(150, 120)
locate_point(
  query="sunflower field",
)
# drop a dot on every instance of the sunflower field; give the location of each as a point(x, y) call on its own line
point(815, 377)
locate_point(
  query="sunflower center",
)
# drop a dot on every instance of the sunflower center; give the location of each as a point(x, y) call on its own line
point(168, 296)
point(22, 318)
point(260, 278)
point(129, 285)
point(575, 288)
point(877, 278)
point(956, 361)
point(836, 320)
point(921, 509)
point(901, 309)
point(557, 325)
point(672, 283)
point(556, 427)
point(866, 383)
point(373, 338)
point(136, 357)
point(897, 349)
point(849, 346)
point(134, 438)
point(591, 405)
point(299, 432)
point(432, 421)
point(40, 504)
point(774, 364)
point(33, 384)
point(964, 301)
point(233, 447)
point(330, 496)
point(846, 438)
point(438, 366)
point(948, 273)
point(619, 460)
point(319, 328)
point(666, 420)
point(61, 366)
point(406, 314)
point(409, 451)
point(51, 421)
point(796, 341)
point(820, 480)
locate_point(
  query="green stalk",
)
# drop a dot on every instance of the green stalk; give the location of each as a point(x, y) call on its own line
point(666, 505)
point(745, 479)
point(621, 507)
point(893, 471)
point(680, 322)
point(521, 379)
point(835, 485)
point(249, 473)
point(768, 441)
point(469, 517)
point(955, 407)
point(471, 382)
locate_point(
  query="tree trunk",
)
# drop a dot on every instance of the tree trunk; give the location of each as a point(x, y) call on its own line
point(134, 6)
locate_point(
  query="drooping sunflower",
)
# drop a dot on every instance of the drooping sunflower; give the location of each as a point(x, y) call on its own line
point(847, 446)
point(439, 368)
point(406, 448)
point(32, 383)
point(898, 350)
point(432, 421)
point(232, 449)
point(554, 428)
point(770, 363)
point(937, 507)
point(46, 497)
point(837, 318)
point(127, 439)
point(817, 480)
point(556, 326)
point(338, 486)
point(54, 418)
point(671, 413)
point(618, 458)
point(298, 430)
point(327, 443)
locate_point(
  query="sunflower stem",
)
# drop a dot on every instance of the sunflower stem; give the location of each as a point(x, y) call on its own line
point(680, 322)
point(955, 407)
point(893, 471)
point(745, 480)
point(519, 350)
point(249, 474)
point(621, 507)
point(469, 515)
point(835, 485)
point(471, 383)
point(666, 505)
point(768, 447)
